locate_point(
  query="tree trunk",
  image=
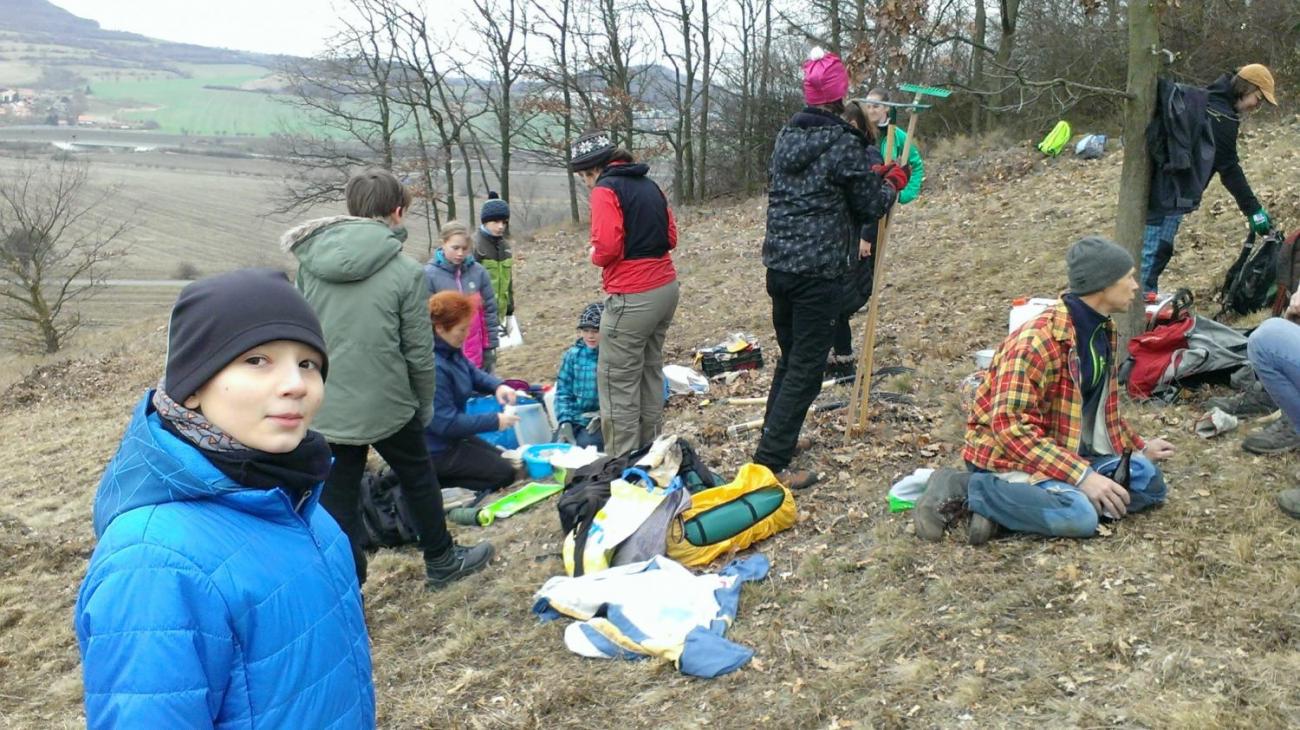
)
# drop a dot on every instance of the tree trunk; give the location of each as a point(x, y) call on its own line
point(837, 29)
point(1010, 11)
point(977, 67)
point(1135, 176)
point(706, 61)
point(686, 143)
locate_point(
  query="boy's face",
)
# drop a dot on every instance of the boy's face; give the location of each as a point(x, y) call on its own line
point(590, 337)
point(455, 249)
point(267, 397)
point(496, 228)
point(877, 113)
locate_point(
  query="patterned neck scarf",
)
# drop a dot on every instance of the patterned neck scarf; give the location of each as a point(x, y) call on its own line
point(192, 425)
point(294, 471)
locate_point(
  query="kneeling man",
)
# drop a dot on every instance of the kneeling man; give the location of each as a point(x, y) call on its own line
point(1044, 435)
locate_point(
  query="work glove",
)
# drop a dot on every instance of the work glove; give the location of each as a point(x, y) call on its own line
point(893, 174)
point(1260, 223)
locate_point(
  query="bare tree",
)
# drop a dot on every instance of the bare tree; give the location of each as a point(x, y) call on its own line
point(502, 25)
point(349, 95)
point(557, 31)
point(54, 250)
point(1135, 176)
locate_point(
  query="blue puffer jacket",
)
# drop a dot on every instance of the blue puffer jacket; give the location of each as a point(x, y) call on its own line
point(458, 381)
point(208, 604)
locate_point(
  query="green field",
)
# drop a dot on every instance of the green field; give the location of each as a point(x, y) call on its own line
point(185, 106)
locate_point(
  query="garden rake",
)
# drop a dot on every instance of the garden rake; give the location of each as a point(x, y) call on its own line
point(857, 420)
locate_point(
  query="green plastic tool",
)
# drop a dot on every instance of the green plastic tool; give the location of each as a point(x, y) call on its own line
point(517, 501)
point(925, 90)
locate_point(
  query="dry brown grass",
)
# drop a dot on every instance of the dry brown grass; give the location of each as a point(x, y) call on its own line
point(1183, 617)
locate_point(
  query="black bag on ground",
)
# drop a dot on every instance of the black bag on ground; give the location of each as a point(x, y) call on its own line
point(383, 511)
point(587, 489)
point(1251, 282)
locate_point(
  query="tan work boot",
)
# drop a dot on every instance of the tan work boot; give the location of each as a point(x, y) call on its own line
point(944, 499)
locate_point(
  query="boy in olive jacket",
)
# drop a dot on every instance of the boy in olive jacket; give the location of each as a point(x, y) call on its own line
point(372, 303)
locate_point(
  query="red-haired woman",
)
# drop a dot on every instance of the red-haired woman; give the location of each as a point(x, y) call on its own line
point(461, 458)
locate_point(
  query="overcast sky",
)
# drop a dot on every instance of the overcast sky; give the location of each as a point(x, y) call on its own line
point(296, 27)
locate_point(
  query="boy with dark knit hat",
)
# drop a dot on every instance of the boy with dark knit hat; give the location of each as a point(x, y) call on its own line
point(220, 593)
point(577, 400)
point(492, 250)
point(1044, 435)
point(822, 189)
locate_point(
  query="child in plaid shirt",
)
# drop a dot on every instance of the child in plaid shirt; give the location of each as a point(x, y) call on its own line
point(576, 400)
point(1044, 436)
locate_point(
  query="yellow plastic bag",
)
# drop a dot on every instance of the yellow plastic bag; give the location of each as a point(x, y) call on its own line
point(629, 505)
point(753, 507)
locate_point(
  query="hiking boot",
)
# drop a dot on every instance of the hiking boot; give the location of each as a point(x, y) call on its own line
point(1278, 437)
point(1289, 501)
point(456, 563)
point(980, 530)
point(841, 366)
point(1253, 402)
point(944, 499)
point(795, 479)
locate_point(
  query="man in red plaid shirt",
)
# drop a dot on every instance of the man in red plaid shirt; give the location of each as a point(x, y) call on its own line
point(1044, 435)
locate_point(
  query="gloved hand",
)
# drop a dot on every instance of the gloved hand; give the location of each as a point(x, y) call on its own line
point(564, 434)
point(893, 174)
point(1260, 223)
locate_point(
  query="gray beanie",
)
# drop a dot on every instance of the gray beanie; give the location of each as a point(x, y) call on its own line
point(1094, 263)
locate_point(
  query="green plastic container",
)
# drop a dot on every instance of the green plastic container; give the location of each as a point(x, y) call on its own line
point(517, 501)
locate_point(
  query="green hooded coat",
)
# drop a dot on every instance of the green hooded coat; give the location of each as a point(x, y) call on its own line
point(373, 306)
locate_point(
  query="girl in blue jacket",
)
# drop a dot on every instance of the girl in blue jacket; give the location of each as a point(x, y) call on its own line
point(461, 458)
point(220, 594)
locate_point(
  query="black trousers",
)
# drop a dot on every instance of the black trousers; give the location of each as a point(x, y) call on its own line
point(473, 464)
point(804, 310)
point(857, 292)
point(408, 456)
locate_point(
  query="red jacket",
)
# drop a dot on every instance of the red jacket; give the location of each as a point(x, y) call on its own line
point(632, 231)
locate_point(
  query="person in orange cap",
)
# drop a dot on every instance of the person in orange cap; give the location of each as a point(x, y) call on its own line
point(1179, 153)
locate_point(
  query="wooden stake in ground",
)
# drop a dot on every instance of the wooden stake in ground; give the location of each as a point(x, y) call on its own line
point(862, 383)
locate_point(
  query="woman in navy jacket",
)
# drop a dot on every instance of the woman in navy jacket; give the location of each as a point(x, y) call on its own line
point(461, 458)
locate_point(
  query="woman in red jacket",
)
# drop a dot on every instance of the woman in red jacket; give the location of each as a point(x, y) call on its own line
point(632, 235)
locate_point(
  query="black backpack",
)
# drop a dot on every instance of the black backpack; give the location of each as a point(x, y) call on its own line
point(1251, 281)
point(587, 490)
point(383, 511)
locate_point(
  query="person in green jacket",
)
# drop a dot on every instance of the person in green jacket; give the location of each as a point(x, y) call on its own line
point(493, 252)
point(878, 114)
point(372, 303)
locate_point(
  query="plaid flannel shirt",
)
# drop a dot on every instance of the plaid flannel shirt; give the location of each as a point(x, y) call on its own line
point(575, 384)
point(1028, 412)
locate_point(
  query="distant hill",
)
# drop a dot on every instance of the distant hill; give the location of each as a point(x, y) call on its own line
point(34, 24)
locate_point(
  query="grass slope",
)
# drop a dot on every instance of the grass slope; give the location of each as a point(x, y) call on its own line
point(188, 105)
point(1184, 617)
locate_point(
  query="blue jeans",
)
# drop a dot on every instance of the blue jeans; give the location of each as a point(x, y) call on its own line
point(1058, 509)
point(583, 438)
point(1157, 249)
point(1274, 352)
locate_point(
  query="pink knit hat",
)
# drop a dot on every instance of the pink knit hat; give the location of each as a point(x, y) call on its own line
point(824, 78)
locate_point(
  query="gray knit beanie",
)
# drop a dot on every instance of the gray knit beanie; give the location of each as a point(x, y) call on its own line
point(1094, 263)
point(590, 317)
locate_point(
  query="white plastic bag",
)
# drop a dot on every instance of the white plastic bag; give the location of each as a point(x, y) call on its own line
point(513, 337)
point(683, 380)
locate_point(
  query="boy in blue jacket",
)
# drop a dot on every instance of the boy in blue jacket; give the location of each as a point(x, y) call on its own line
point(576, 399)
point(220, 593)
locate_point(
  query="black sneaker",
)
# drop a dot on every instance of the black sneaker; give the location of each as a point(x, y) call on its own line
point(456, 563)
point(944, 499)
point(1253, 402)
point(841, 366)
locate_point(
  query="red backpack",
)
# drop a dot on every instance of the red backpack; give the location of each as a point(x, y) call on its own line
point(1288, 273)
point(1186, 352)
